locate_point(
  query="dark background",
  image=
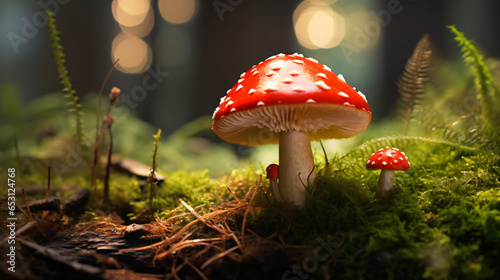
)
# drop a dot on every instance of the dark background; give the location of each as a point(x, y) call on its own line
point(220, 50)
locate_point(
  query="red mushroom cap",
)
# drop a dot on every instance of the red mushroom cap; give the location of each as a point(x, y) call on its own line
point(272, 171)
point(389, 159)
point(290, 93)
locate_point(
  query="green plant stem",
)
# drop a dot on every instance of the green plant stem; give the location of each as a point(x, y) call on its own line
point(152, 176)
point(107, 171)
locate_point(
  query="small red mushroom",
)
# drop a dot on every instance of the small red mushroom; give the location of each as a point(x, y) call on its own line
point(273, 174)
point(388, 160)
point(290, 99)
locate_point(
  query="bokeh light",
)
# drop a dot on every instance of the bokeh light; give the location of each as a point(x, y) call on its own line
point(177, 11)
point(136, 19)
point(130, 12)
point(142, 29)
point(317, 25)
point(134, 54)
point(364, 30)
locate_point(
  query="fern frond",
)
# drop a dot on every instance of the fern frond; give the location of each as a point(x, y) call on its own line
point(60, 59)
point(487, 92)
point(411, 83)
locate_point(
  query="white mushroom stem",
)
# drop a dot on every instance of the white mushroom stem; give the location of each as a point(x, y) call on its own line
point(385, 183)
point(275, 190)
point(296, 163)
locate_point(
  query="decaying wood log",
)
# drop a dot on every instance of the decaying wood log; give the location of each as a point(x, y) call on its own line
point(58, 259)
point(76, 202)
point(136, 168)
point(52, 204)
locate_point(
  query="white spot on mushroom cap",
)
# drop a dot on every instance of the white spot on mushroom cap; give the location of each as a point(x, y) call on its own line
point(271, 57)
point(241, 80)
point(281, 54)
point(230, 103)
point(298, 61)
point(298, 88)
point(322, 85)
point(373, 162)
point(222, 99)
point(384, 163)
point(270, 73)
point(310, 101)
point(321, 75)
point(368, 162)
point(260, 103)
point(343, 94)
point(232, 110)
point(312, 59)
point(341, 77)
point(276, 67)
point(239, 87)
point(327, 68)
point(348, 104)
point(294, 73)
point(288, 80)
point(395, 161)
point(362, 95)
point(255, 73)
point(243, 74)
point(270, 88)
point(401, 158)
point(251, 91)
point(215, 112)
point(228, 91)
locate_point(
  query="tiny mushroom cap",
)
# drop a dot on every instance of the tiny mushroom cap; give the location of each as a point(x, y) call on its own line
point(272, 171)
point(290, 93)
point(388, 159)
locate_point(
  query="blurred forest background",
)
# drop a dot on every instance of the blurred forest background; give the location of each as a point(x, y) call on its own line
point(205, 45)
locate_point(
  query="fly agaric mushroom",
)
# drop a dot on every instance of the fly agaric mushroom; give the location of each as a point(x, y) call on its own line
point(291, 100)
point(388, 160)
point(273, 174)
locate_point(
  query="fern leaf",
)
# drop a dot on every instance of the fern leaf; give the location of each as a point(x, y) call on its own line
point(487, 93)
point(411, 83)
point(60, 59)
